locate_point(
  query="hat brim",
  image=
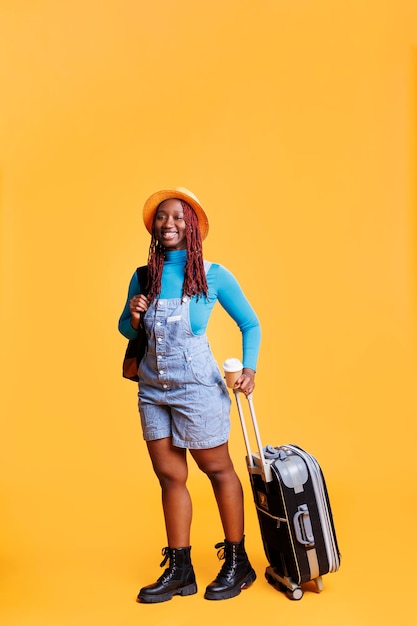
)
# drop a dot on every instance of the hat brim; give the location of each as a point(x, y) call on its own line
point(156, 198)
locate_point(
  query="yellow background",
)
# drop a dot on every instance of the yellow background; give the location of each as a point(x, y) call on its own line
point(294, 121)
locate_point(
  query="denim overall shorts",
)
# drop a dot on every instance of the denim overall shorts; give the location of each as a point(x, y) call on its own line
point(181, 390)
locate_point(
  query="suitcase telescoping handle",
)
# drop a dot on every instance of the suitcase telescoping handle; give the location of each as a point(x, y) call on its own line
point(251, 462)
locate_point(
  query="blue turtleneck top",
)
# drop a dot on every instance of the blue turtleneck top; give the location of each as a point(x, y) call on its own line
point(222, 287)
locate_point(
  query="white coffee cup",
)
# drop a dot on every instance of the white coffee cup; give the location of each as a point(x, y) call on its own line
point(232, 371)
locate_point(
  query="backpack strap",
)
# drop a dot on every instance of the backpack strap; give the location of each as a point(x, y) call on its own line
point(142, 274)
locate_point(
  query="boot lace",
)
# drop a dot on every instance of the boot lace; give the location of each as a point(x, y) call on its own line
point(165, 554)
point(221, 550)
point(230, 561)
point(170, 570)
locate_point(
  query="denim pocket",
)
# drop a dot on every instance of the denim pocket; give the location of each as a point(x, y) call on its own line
point(204, 369)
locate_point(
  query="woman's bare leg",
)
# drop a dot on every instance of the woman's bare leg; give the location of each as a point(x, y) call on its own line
point(217, 464)
point(170, 466)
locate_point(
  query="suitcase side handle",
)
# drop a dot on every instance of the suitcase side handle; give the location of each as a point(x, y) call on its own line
point(302, 526)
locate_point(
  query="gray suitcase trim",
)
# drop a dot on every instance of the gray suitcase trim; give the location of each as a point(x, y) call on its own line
point(326, 522)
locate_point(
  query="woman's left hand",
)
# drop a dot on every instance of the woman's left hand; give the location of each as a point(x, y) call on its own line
point(246, 382)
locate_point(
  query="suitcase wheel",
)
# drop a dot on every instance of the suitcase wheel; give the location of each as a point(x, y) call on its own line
point(294, 594)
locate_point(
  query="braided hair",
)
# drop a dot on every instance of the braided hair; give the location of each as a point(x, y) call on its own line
point(195, 281)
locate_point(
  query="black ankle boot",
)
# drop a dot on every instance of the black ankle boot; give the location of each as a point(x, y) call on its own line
point(178, 578)
point(235, 574)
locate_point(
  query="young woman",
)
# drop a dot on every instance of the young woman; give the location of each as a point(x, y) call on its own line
point(183, 401)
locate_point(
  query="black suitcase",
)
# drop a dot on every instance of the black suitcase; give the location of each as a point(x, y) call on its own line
point(294, 512)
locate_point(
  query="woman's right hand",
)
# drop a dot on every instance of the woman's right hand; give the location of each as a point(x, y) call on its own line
point(137, 305)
